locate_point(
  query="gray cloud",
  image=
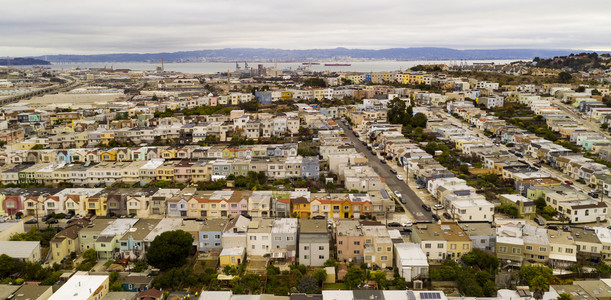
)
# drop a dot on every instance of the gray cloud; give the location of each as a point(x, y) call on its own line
point(39, 27)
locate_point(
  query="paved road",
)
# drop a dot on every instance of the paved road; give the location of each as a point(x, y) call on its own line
point(414, 203)
point(577, 116)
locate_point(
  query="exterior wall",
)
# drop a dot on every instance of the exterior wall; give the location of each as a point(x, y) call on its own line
point(313, 254)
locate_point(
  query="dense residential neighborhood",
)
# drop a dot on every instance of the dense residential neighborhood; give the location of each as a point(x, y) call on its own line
point(435, 182)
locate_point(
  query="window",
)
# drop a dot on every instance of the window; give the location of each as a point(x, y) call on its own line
point(529, 248)
point(453, 246)
point(542, 249)
point(306, 247)
point(440, 246)
point(340, 242)
point(321, 257)
point(278, 238)
point(383, 257)
point(569, 250)
point(321, 247)
point(516, 251)
point(205, 236)
point(465, 246)
point(357, 243)
point(217, 236)
point(357, 252)
point(503, 249)
point(306, 257)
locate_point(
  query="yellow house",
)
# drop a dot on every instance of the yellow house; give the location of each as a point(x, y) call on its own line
point(227, 153)
point(286, 95)
point(166, 171)
point(300, 207)
point(232, 256)
point(169, 153)
point(108, 155)
point(66, 241)
point(458, 242)
point(96, 205)
point(107, 136)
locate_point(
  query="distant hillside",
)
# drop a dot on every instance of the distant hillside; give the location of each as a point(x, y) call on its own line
point(261, 54)
point(23, 61)
point(576, 62)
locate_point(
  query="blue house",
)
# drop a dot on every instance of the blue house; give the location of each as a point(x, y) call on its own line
point(211, 232)
point(64, 155)
point(310, 167)
point(263, 97)
point(137, 283)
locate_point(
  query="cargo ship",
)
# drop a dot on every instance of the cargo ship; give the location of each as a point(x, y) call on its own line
point(338, 65)
point(310, 64)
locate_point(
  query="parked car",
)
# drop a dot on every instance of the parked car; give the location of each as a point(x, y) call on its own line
point(318, 217)
point(568, 182)
point(407, 223)
point(539, 221)
point(437, 206)
point(447, 215)
point(52, 221)
point(552, 227)
point(383, 161)
point(435, 217)
point(398, 194)
point(420, 187)
point(31, 221)
point(45, 218)
point(399, 176)
point(393, 171)
point(426, 207)
point(373, 152)
point(394, 224)
point(402, 200)
point(69, 216)
point(89, 216)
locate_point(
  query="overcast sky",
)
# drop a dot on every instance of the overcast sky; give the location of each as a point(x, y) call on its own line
point(39, 27)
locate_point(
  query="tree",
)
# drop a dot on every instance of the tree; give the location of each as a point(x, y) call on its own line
point(354, 277)
point(90, 255)
point(308, 285)
point(7, 264)
point(564, 77)
point(170, 249)
point(320, 275)
point(564, 296)
point(539, 285)
point(419, 120)
point(38, 147)
point(529, 272)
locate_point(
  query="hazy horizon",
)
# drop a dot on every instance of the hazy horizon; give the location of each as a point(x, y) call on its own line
point(38, 27)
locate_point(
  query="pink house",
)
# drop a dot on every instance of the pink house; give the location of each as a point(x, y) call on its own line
point(12, 204)
point(182, 171)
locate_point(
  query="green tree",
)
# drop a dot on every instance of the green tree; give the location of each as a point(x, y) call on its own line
point(354, 277)
point(90, 255)
point(529, 272)
point(564, 296)
point(539, 285)
point(320, 275)
point(308, 284)
point(564, 77)
point(7, 264)
point(419, 120)
point(170, 249)
point(38, 147)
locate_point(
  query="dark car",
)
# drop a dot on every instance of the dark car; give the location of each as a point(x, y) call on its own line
point(394, 224)
point(435, 217)
point(393, 171)
point(383, 161)
point(373, 152)
point(552, 227)
point(539, 221)
point(31, 221)
point(402, 200)
point(52, 221)
point(426, 207)
point(318, 217)
point(45, 218)
point(69, 216)
point(447, 215)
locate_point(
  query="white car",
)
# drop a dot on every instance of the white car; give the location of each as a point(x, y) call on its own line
point(399, 176)
point(407, 223)
point(437, 206)
point(398, 194)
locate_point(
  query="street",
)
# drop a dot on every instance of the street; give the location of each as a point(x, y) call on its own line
point(414, 203)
